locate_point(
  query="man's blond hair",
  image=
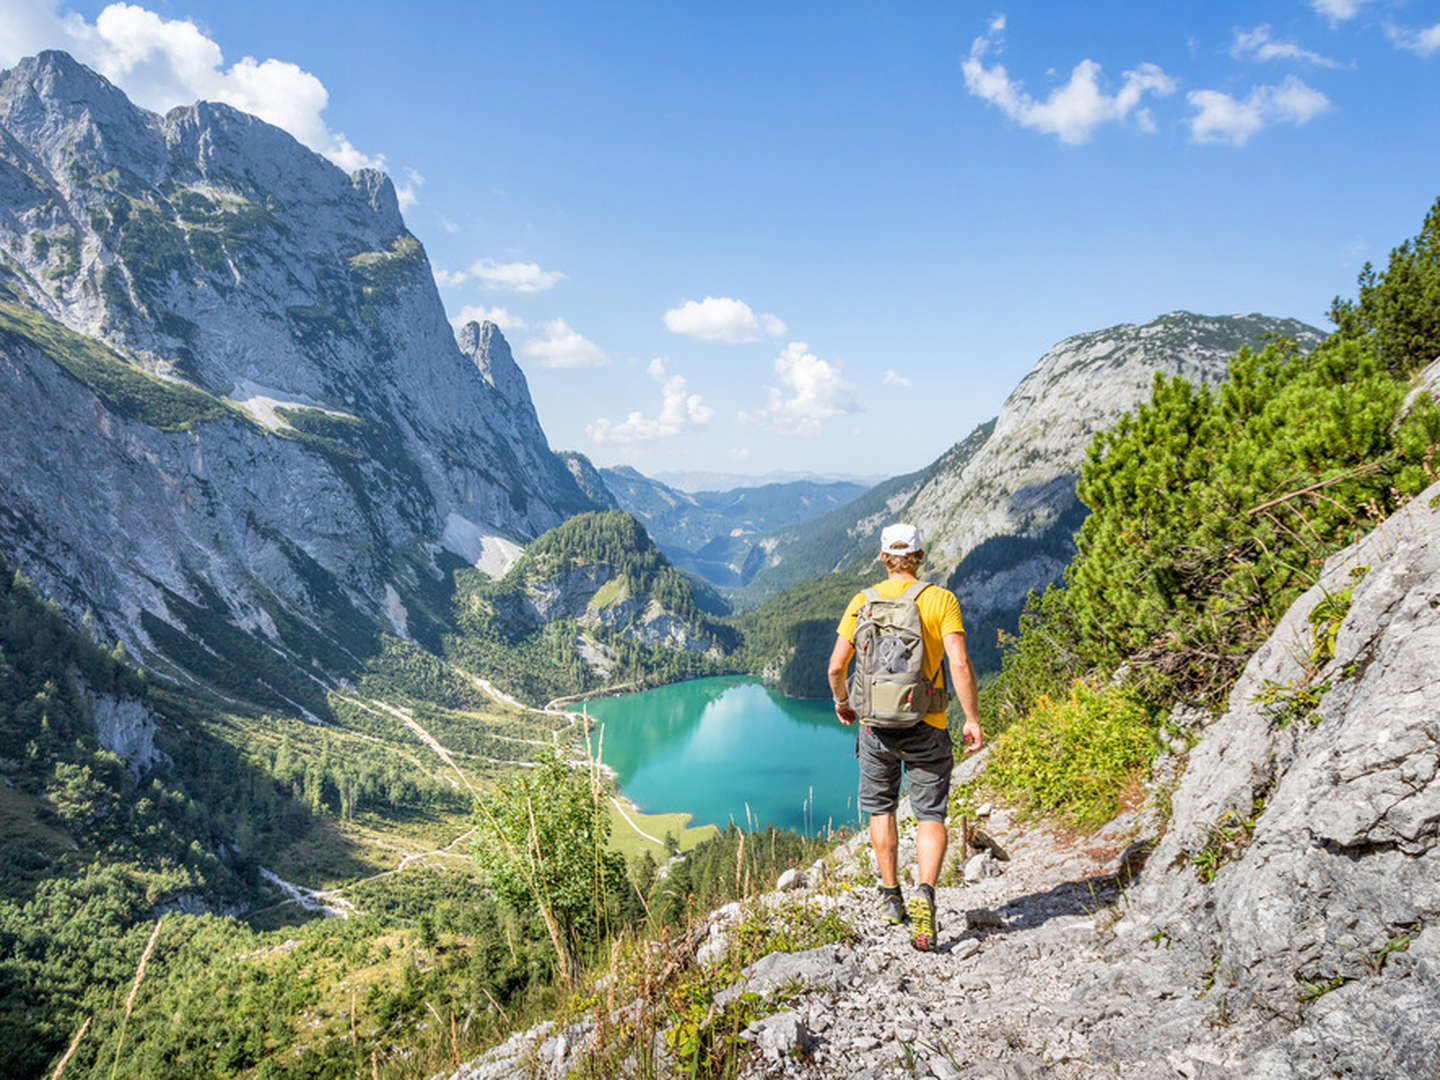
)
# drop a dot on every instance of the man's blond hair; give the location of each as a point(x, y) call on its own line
point(902, 564)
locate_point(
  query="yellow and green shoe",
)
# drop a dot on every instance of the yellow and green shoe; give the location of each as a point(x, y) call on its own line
point(923, 927)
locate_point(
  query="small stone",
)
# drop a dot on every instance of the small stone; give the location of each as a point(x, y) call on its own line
point(975, 868)
point(864, 1042)
point(984, 811)
point(965, 948)
point(942, 1069)
point(792, 879)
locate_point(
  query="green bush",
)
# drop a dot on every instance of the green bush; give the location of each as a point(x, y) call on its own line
point(1074, 756)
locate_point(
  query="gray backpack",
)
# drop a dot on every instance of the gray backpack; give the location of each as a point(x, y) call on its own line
point(889, 687)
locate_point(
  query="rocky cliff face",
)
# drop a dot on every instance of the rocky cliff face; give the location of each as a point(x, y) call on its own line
point(231, 397)
point(998, 510)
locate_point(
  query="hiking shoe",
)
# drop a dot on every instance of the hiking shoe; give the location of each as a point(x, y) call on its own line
point(923, 929)
point(892, 908)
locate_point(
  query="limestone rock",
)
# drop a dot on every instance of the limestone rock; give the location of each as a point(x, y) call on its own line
point(779, 1035)
point(791, 880)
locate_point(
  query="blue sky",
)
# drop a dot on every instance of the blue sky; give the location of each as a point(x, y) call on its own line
point(939, 192)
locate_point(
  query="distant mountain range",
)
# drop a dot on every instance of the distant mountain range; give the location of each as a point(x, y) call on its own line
point(711, 534)
point(698, 480)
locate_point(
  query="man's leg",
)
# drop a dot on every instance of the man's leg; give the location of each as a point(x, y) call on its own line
point(885, 839)
point(931, 840)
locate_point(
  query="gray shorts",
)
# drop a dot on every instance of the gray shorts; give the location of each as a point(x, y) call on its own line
point(925, 755)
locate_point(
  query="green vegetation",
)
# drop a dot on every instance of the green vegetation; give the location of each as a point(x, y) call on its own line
point(674, 832)
point(1227, 840)
point(542, 839)
point(1074, 756)
point(126, 390)
point(790, 635)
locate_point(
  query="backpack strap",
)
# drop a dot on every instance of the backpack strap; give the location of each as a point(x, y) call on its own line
point(872, 593)
point(914, 589)
point(937, 683)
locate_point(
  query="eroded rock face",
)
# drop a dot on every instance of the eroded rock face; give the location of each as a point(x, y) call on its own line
point(1331, 767)
point(126, 728)
point(228, 380)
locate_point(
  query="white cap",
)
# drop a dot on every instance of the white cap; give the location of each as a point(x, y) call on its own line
point(899, 539)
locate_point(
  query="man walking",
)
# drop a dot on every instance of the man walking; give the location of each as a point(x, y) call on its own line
point(902, 632)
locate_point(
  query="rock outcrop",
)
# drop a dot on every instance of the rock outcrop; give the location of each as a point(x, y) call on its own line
point(232, 403)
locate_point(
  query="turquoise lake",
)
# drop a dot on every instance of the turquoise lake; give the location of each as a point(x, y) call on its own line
point(715, 746)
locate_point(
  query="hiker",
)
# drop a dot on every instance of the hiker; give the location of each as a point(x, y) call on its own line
point(901, 632)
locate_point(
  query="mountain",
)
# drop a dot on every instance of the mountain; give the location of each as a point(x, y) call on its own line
point(589, 604)
point(701, 480)
point(235, 421)
point(712, 534)
point(998, 510)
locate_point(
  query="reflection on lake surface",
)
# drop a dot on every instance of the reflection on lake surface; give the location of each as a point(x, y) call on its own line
point(712, 746)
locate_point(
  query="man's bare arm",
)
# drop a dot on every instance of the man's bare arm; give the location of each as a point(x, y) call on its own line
point(839, 662)
point(962, 676)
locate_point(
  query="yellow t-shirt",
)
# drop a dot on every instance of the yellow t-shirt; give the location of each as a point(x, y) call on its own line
point(939, 615)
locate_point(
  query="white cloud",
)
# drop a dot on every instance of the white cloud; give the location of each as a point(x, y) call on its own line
point(894, 378)
point(1257, 44)
point(1422, 43)
point(502, 318)
point(1338, 11)
point(722, 318)
point(678, 409)
point(1072, 112)
point(1220, 118)
point(514, 276)
point(448, 225)
point(408, 193)
point(448, 279)
point(161, 63)
point(810, 391)
point(564, 348)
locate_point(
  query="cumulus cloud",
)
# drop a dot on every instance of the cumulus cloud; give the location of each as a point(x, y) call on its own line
point(894, 378)
point(448, 279)
point(448, 225)
point(514, 276)
point(501, 317)
point(678, 409)
point(1257, 44)
point(1220, 118)
point(408, 193)
point(1072, 112)
point(810, 392)
point(563, 347)
point(161, 63)
point(1338, 11)
point(722, 318)
point(1420, 42)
